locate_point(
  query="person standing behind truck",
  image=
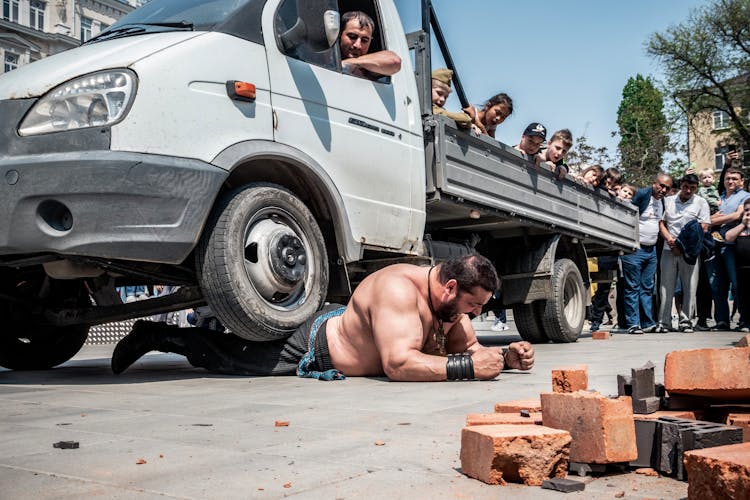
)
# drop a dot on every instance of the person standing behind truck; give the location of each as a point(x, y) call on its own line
point(494, 112)
point(722, 270)
point(357, 29)
point(553, 156)
point(740, 236)
point(677, 261)
point(639, 267)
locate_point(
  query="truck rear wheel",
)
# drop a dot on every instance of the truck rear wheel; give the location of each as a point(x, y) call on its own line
point(25, 343)
point(528, 321)
point(565, 312)
point(262, 264)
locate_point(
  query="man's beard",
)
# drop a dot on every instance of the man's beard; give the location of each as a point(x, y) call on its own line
point(448, 311)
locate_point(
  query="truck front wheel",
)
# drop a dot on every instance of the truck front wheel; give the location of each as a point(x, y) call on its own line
point(262, 264)
point(26, 343)
point(565, 312)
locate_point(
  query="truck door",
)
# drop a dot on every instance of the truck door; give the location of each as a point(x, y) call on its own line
point(356, 128)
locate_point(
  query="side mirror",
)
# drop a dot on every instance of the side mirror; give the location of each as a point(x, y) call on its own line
point(317, 26)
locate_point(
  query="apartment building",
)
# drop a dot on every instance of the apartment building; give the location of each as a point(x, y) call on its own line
point(32, 29)
point(710, 136)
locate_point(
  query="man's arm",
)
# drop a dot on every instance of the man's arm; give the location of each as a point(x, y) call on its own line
point(385, 63)
point(519, 355)
point(734, 233)
point(397, 331)
point(719, 218)
point(668, 238)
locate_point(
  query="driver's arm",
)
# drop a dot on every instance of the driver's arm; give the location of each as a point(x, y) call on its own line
point(384, 62)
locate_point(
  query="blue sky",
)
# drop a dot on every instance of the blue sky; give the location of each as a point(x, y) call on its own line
point(563, 63)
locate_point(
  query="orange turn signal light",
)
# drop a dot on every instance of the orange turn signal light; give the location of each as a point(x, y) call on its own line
point(241, 91)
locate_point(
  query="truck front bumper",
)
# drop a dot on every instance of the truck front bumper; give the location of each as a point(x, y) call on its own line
point(106, 204)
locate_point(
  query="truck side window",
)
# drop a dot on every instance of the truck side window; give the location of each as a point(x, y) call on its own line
point(286, 18)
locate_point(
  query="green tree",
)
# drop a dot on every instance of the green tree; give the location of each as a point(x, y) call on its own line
point(706, 60)
point(644, 137)
point(584, 154)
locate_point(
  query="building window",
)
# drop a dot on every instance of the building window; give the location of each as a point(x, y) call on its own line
point(86, 28)
point(721, 119)
point(36, 14)
point(10, 10)
point(10, 62)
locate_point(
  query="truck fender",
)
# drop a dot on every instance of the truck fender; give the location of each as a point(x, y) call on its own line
point(268, 161)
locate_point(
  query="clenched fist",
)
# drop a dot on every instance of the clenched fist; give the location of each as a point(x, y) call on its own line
point(520, 356)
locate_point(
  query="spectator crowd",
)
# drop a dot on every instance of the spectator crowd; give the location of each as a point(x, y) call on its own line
point(694, 253)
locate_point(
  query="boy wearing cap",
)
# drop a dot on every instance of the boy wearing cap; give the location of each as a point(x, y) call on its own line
point(441, 89)
point(532, 140)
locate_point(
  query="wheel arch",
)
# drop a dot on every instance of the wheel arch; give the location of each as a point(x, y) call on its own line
point(267, 161)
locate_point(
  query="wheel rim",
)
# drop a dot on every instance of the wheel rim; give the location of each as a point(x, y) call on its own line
point(276, 258)
point(573, 301)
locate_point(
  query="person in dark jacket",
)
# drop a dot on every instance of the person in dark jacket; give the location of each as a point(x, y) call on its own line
point(686, 218)
point(639, 268)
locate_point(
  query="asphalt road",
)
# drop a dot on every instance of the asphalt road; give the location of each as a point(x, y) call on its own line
point(167, 430)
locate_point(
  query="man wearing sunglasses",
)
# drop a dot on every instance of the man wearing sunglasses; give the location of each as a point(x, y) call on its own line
point(639, 268)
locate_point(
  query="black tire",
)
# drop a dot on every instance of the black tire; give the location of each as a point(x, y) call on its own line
point(262, 263)
point(528, 323)
point(25, 344)
point(565, 312)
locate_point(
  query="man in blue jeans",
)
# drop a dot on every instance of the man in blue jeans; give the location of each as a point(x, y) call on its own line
point(639, 268)
point(722, 269)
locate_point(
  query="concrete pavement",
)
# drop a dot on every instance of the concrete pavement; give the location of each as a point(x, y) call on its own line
point(210, 436)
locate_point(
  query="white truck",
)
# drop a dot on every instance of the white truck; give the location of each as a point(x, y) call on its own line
point(218, 146)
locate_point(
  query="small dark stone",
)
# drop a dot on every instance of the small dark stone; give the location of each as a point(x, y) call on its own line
point(624, 385)
point(66, 445)
point(525, 413)
point(563, 484)
point(646, 405)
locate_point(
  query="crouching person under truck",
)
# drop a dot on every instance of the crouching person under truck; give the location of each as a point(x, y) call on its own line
point(406, 322)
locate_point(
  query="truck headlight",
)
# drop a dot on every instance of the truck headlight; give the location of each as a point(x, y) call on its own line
point(96, 100)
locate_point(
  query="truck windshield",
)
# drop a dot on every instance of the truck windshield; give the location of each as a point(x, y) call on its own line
point(168, 15)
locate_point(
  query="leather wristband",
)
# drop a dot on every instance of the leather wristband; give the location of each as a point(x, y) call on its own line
point(459, 367)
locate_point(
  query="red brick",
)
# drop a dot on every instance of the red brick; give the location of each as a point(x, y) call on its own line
point(533, 405)
point(600, 335)
point(570, 379)
point(526, 454)
point(741, 420)
point(603, 429)
point(719, 473)
point(691, 414)
point(714, 373)
point(744, 341)
point(502, 418)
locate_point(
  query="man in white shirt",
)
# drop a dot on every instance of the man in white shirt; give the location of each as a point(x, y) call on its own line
point(679, 211)
point(639, 268)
